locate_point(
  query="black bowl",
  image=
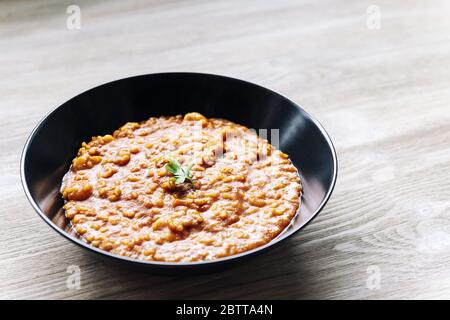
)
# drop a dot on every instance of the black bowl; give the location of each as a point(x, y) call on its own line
point(55, 140)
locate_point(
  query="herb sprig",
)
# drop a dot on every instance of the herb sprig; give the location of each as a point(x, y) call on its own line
point(180, 173)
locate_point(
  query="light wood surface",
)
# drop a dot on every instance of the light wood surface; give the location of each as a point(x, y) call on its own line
point(382, 94)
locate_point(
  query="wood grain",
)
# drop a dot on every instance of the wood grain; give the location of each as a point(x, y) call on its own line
point(382, 95)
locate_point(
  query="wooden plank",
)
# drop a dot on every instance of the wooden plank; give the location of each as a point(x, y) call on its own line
point(382, 95)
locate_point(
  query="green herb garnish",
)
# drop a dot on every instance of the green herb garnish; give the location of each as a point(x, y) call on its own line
point(180, 173)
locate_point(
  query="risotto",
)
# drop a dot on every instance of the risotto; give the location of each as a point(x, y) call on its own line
point(180, 189)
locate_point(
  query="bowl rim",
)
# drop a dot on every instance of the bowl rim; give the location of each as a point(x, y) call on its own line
point(231, 258)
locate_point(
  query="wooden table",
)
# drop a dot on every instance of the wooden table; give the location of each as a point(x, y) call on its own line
point(382, 94)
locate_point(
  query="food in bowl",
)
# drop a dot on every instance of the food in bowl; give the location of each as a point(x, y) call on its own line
point(180, 189)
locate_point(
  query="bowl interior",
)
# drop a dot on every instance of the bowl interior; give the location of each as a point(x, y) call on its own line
point(101, 110)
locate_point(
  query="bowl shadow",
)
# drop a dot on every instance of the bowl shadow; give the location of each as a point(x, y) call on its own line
point(277, 274)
